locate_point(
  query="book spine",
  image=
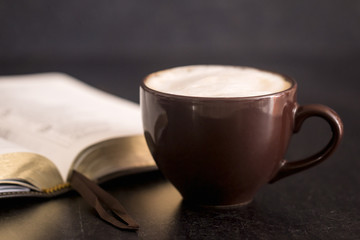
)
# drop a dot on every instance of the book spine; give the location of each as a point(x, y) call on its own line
point(42, 194)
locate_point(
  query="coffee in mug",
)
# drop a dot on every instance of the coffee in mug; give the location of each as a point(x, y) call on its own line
point(217, 81)
point(219, 133)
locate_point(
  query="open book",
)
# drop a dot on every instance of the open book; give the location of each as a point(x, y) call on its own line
point(51, 124)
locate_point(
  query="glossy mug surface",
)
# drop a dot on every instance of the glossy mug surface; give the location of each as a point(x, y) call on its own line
point(219, 150)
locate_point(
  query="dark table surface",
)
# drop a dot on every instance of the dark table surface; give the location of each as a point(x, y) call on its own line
point(320, 203)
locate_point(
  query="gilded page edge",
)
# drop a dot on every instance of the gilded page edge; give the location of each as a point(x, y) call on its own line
point(30, 167)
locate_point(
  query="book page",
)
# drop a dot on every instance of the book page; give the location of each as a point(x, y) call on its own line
point(57, 116)
point(10, 147)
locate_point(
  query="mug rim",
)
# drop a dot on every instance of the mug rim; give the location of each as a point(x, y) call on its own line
point(292, 87)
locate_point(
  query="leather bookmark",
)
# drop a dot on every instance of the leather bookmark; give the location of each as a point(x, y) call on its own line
point(108, 207)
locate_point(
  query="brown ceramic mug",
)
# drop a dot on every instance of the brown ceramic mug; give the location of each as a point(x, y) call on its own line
point(220, 151)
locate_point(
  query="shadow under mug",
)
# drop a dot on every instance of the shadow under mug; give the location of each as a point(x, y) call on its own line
point(219, 151)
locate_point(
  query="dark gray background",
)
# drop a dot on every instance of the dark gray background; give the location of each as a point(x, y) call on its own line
point(122, 41)
point(112, 45)
point(137, 29)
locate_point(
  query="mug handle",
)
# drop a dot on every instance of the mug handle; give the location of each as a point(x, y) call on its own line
point(301, 114)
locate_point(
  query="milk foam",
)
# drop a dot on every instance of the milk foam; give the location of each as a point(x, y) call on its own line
point(216, 81)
